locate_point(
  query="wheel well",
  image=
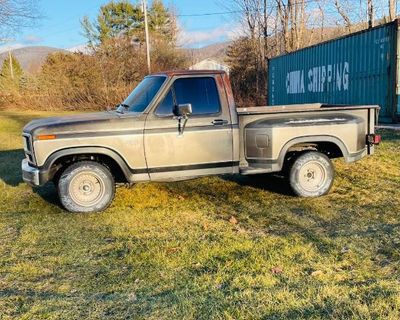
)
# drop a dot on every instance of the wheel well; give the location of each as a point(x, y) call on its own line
point(330, 149)
point(63, 162)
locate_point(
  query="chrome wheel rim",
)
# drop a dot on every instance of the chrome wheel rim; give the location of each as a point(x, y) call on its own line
point(86, 189)
point(312, 176)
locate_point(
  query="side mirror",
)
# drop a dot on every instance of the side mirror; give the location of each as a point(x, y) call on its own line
point(183, 110)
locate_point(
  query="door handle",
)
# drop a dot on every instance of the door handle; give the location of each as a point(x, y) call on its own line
point(219, 122)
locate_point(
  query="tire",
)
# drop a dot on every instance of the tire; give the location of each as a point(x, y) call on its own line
point(311, 175)
point(86, 186)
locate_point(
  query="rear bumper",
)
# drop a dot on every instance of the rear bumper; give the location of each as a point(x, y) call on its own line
point(33, 176)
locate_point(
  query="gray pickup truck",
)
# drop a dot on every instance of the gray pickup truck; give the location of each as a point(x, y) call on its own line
point(183, 124)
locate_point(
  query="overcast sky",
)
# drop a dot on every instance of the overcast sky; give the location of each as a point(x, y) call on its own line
point(61, 28)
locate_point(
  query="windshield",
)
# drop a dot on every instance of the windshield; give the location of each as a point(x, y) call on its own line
point(143, 94)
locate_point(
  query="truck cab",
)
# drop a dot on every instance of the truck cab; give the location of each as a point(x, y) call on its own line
point(202, 144)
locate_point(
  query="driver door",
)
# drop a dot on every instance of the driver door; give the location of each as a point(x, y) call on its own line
point(204, 147)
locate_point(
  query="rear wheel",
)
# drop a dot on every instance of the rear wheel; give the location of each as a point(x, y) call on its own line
point(311, 175)
point(86, 186)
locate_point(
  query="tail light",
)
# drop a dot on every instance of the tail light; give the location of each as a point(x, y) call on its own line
point(374, 139)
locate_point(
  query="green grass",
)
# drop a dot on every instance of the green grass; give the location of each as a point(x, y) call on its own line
point(170, 251)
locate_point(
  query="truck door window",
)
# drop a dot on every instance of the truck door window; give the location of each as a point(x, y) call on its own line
point(202, 93)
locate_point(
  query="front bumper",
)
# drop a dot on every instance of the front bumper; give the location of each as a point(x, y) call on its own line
point(33, 176)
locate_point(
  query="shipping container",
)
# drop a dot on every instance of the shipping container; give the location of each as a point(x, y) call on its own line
point(359, 69)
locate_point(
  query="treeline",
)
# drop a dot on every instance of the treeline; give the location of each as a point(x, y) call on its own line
point(104, 76)
point(117, 58)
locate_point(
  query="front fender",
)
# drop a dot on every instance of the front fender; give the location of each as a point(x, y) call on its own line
point(117, 158)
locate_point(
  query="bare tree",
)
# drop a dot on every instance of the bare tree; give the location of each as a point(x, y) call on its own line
point(17, 14)
point(298, 22)
point(283, 17)
point(322, 28)
point(293, 20)
point(343, 14)
point(371, 13)
point(392, 9)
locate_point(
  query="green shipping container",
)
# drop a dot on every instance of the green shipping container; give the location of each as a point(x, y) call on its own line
point(360, 68)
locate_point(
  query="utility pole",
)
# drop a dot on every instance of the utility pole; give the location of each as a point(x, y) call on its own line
point(146, 27)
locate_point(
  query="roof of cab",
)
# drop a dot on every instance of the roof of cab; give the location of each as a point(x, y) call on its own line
point(172, 73)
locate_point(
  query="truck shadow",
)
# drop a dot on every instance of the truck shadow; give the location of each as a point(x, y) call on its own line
point(267, 182)
point(10, 166)
point(49, 194)
point(11, 175)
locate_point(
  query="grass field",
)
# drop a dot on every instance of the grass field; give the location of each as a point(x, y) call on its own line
point(212, 248)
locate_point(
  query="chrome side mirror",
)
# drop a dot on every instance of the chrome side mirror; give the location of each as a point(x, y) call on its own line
point(182, 112)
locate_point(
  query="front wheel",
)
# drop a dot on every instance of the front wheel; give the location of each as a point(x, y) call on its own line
point(311, 175)
point(86, 186)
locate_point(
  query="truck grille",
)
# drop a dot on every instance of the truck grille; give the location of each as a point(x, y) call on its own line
point(28, 148)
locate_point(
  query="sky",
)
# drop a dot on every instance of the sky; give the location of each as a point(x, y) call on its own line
point(60, 26)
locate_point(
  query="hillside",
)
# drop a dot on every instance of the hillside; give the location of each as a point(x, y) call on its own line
point(215, 51)
point(31, 58)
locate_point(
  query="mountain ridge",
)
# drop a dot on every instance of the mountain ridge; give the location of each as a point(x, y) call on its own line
point(32, 58)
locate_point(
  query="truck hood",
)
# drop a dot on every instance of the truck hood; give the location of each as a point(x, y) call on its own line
point(86, 122)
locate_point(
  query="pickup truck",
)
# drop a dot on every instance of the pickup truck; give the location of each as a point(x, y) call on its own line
point(184, 124)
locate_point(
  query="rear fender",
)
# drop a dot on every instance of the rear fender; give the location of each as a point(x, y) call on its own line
point(318, 139)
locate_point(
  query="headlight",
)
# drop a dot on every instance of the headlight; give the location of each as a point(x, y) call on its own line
point(28, 148)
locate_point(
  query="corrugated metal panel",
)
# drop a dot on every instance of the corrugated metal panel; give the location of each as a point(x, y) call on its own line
point(356, 69)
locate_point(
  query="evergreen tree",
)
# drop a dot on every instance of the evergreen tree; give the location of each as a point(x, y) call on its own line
point(10, 76)
point(161, 22)
point(122, 18)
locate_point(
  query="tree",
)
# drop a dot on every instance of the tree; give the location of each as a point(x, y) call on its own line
point(248, 55)
point(371, 13)
point(247, 78)
point(17, 14)
point(162, 22)
point(118, 19)
point(293, 19)
point(392, 9)
point(103, 78)
point(115, 19)
point(10, 74)
point(343, 14)
point(270, 27)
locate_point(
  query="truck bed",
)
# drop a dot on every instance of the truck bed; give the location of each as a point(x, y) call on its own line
point(270, 132)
